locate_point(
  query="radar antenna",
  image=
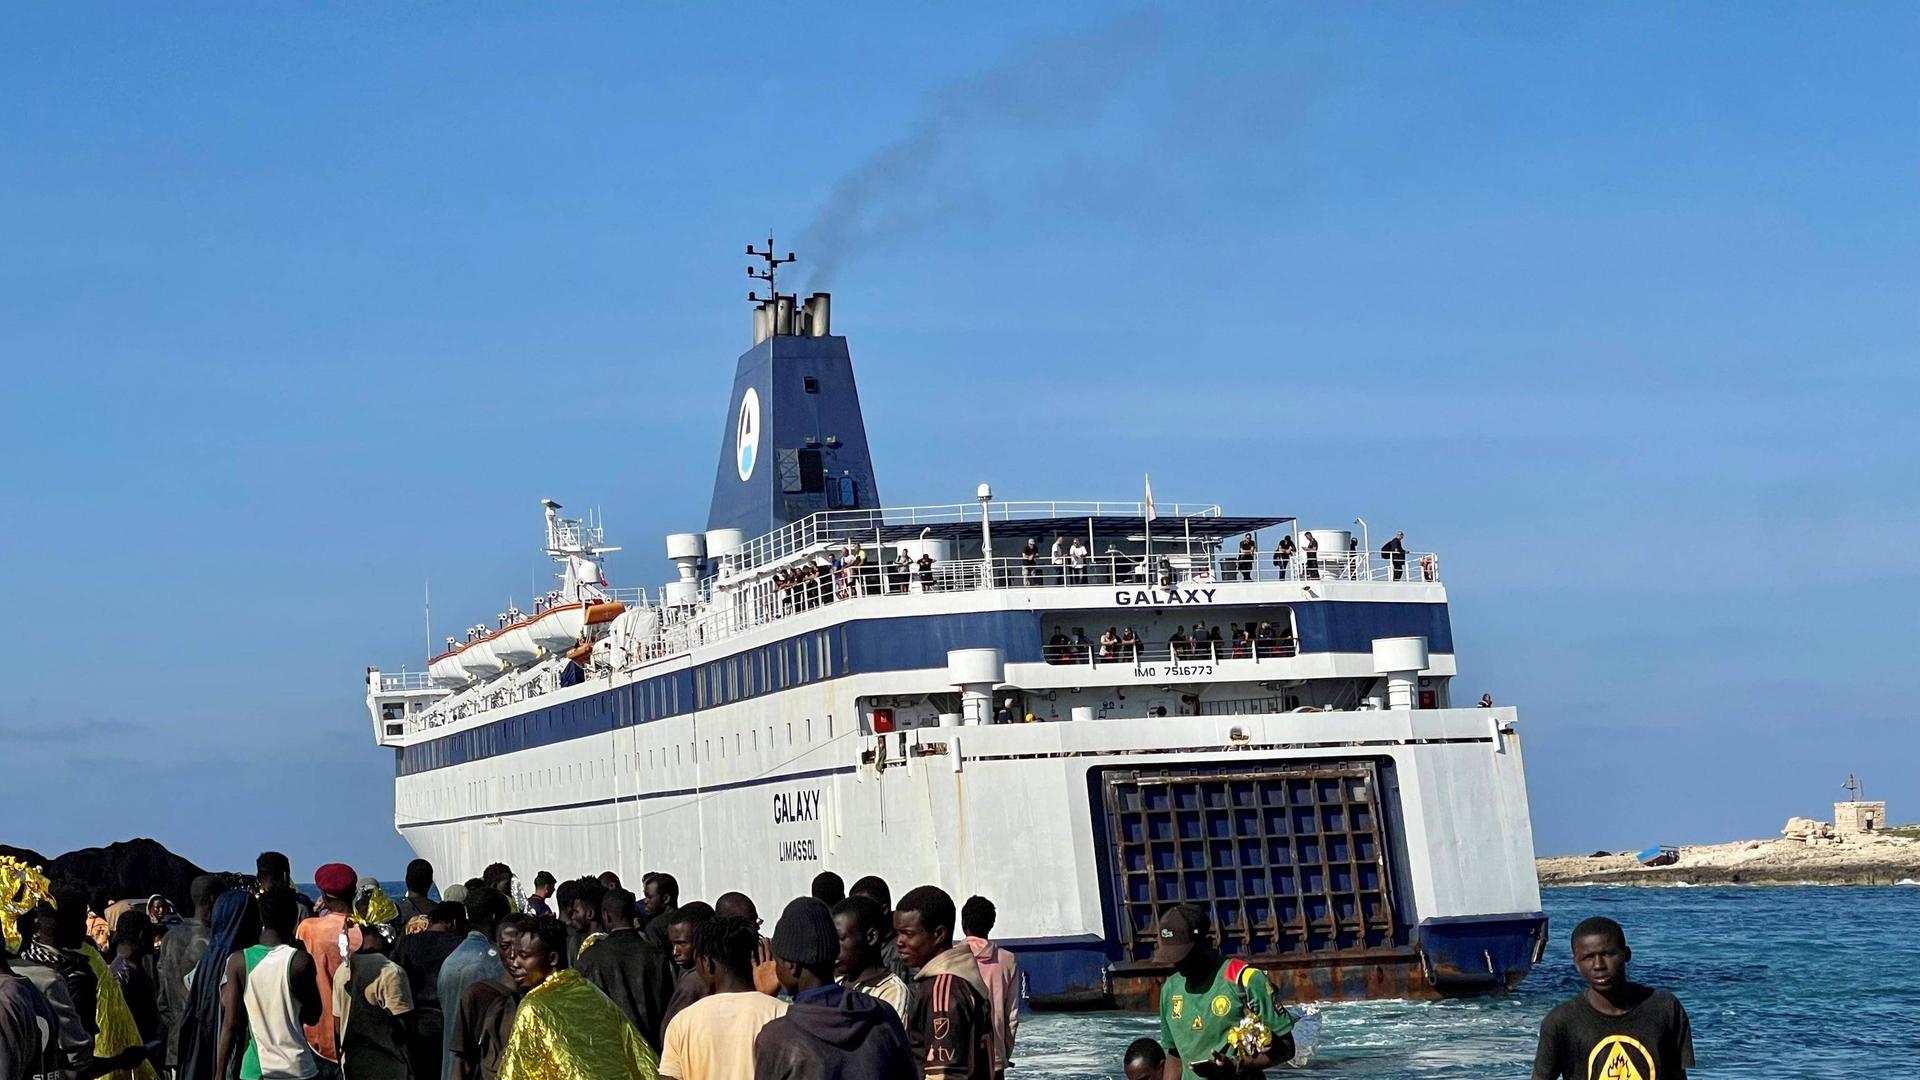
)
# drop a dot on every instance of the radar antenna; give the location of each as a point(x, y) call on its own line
point(1853, 788)
point(773, 264)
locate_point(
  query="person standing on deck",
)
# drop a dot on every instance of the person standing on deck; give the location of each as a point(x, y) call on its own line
point(1248, 549)
point(1001, 974)
point(1396, 552)
point(329, 936)
point(180, 953)
point(269, 991)
point(476, 959)
point(1311, 553)
point(628, 968)
point(1283, 555)
point(1615, 1027)
point(1206, 997)
point(860, 925)
point(949, 1023)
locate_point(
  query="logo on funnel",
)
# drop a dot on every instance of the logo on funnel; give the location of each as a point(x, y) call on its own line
point(746, 433)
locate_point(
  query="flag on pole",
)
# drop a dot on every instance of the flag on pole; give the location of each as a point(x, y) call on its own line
point(1148, 512)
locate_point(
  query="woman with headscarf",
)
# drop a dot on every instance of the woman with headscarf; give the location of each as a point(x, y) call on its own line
point(235, 927)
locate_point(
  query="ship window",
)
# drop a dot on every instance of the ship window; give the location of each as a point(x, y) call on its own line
point(843, 493)
point(809, 729)
point(829, 725)
point(812, 384)
point(789, 733)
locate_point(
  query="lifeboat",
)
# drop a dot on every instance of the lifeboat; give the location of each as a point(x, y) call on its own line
point(556, 629)
point(515, 644)
point(478, 658)
point(445, 670)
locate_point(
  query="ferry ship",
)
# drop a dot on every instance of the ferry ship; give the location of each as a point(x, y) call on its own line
point(832, 683)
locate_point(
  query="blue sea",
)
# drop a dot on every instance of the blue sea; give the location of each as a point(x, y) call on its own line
point(1780, 982)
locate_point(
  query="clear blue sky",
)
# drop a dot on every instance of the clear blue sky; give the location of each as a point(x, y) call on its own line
point(1615, 309)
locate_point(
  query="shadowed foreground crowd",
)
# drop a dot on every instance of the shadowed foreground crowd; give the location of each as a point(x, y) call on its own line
point(582, 980)
point(576, 980)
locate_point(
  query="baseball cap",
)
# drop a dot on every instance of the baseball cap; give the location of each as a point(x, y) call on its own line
point(1181, 928)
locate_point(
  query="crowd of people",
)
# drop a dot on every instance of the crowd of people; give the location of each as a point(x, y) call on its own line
point(854, 571)
point(575, 980)
point(1202, 642)
point(582, 980)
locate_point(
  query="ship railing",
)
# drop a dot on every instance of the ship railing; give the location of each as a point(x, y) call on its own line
point(1096, 654)
point(1163, 570)
point(749, 606)
point(392, 682)
point(834, 527)
point(1272, 703)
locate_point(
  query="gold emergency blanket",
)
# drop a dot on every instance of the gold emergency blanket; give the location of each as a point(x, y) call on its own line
point(566, 1029)
point(22, 887)
point(118, 1033)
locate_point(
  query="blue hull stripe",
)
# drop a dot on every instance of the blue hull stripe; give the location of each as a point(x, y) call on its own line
point(710, 789)
point(862, 646)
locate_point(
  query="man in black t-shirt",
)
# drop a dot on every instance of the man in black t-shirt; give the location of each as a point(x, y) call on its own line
point(1614, 1029)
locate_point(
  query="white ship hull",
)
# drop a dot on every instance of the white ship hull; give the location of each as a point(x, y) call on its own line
point(760, 795)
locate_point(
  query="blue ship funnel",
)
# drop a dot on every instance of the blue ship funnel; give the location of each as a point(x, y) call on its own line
point(795, 442)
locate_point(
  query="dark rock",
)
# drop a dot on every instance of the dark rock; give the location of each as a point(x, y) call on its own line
point(127, 869)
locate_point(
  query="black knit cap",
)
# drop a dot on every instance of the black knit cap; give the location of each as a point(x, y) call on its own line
point(805, 934)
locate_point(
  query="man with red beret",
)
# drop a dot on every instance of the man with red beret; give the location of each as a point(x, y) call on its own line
point(330, 938)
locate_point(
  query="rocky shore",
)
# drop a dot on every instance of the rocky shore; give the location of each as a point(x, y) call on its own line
point(1884, 858)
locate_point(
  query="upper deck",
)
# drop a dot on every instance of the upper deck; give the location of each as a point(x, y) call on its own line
point(1088, 558)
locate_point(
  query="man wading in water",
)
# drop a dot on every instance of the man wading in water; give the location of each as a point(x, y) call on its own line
point(1206, 997)
point(1614, 1028)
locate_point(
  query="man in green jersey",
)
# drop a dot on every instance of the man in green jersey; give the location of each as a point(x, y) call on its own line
point(1206, 997)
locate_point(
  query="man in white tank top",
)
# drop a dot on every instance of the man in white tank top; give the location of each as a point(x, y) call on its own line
point(271, 984)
